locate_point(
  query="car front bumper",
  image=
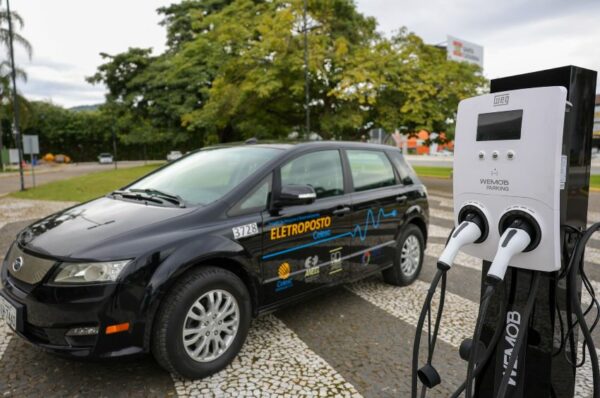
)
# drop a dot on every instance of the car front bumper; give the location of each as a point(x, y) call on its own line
point(46, 314)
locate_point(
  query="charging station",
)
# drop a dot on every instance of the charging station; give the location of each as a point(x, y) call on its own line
point(542, 373)
point(521, 185)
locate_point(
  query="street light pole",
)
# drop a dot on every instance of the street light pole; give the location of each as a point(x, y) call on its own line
point(15, 97)
point(306, 80)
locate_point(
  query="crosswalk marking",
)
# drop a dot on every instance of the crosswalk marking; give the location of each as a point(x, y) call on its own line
point(273, 360)
point(5, 336)
point(458, 322)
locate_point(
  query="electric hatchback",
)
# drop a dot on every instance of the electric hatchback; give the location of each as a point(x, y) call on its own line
point(179, 262)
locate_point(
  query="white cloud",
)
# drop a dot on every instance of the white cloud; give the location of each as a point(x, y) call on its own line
point(518, 35)
point(67, 37)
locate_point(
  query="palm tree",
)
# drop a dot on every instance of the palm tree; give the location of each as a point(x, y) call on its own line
point(17, 38)
point(8, 71)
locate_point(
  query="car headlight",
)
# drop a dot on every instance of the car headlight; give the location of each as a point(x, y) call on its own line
point(89, 272)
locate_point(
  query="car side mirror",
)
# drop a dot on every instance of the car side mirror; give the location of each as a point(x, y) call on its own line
point(407, 181)
point(293, 195)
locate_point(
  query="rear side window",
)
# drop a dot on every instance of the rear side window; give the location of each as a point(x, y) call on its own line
point(370, 170)
point(404, 169)
point(322, 170)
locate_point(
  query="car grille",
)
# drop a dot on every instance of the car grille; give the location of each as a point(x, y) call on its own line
point(33, 269)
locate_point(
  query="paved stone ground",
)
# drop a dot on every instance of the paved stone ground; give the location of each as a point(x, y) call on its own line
point(355, 340)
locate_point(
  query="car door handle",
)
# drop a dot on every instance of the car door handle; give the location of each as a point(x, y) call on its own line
point(401, 199)
point(341, 211)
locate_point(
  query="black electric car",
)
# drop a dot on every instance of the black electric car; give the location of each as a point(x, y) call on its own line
point(178, 262)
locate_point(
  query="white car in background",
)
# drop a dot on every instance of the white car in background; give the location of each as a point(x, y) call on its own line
point(105, 158)
point(174, 155)
point(443, 153)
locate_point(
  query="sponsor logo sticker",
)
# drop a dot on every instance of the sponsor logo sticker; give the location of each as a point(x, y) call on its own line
point(312, 269)
point(366, 258)
point(336, 260)
point(283, 283)
point(284, 271)
point(244, 231)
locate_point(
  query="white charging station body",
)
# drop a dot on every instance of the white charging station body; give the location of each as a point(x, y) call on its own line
point(507, 158)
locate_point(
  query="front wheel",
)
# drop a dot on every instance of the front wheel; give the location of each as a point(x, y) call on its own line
point(408, 259)
point(202, 324)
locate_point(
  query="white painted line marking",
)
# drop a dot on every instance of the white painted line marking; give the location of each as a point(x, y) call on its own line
point(458, 322)
point(273, 360)
point(5, 335)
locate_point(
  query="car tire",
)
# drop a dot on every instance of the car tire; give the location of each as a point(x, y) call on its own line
point(188, 305)
point(407, 267)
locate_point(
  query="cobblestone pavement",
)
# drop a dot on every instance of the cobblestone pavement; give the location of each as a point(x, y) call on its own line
point(352, 341)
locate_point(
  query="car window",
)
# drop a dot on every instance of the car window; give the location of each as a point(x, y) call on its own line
point(370, 170)
point(403, 167)
point(255, 200)
point(208, 175)
point(322, 170)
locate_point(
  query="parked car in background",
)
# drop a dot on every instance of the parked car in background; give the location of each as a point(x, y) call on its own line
point(179, 262)
point(443, 153)
point(105, 158)
point(60, 158)
point(174, 155)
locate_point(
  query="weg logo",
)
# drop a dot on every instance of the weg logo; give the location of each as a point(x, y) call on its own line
point(501, 100)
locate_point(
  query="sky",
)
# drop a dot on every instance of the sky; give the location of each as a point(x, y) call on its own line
point(518, 36)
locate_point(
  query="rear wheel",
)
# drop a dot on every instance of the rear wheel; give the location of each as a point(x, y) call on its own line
point(202, 323)
point(408, 259)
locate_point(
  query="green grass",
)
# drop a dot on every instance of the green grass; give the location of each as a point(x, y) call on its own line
point(89, 186)
point(446, 172)
point(432, 171)
point(595, 182)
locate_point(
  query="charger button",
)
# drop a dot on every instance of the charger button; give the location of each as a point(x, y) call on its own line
point(510, 155)
point(495, 154)
point(481, 155)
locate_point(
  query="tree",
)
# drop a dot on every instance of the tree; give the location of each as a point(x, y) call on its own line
point(234, 69)
point(6, 70)
point(418, 88)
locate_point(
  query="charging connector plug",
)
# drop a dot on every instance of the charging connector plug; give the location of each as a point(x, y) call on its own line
point(513, 241)
point(469, 231)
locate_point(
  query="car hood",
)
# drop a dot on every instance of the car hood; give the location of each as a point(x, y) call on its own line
point(79, 230)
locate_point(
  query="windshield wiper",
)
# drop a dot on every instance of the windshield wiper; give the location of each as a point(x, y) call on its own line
point(137, 196)
point(175, 199)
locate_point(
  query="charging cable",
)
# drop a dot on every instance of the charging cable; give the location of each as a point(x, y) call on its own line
point(576, 265)
point(469, 231)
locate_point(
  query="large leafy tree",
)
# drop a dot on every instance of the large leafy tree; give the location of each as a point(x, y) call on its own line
point(234, 69)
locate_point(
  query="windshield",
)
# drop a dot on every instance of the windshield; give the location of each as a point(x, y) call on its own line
point(206, 176)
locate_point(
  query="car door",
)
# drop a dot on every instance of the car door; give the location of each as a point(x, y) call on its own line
point(304, 245)
point(378, 202)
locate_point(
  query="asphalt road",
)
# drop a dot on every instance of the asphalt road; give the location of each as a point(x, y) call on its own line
point(10, 182)
point(355, 340)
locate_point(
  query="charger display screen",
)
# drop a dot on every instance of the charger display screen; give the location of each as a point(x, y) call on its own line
point(499, 126)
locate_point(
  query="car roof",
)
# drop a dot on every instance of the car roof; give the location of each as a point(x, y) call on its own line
point(286, 146)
